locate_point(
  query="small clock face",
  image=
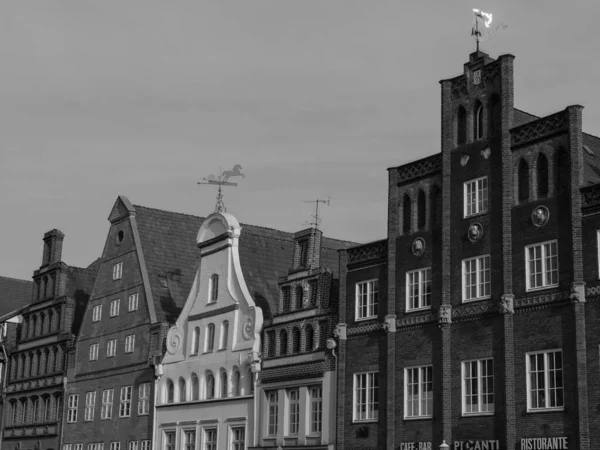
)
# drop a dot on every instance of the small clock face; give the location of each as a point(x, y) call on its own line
point(477, 77)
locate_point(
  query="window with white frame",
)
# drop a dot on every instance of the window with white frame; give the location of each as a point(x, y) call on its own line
point(189, 440)
point(129, 343)
point(133, 445)
point(273, 412)
point(94, 352)
point(366, 396)
point(214, 288)
point(125, 405)
point(210, 337)
point(78, 446)
point(238, 438)
point(118, 271)
point(169, 440)
point(111, 348)
point(107, 404)
point(90, 406)
point(367, 296)
point(418, 289)
point(316, 409)
point(542, 265)
point(476, 278)
point(67, 447)
point(96, 313)
point(144, 399)
point(133, 301)
point(195, 341)
point(224, 334)
point(115, 446)
point(476, 196)
point(294, 411)
point(478, 386)
point(114, 307)
point(210, 439)
point(72, 408)
point(146, 444)
point(418, 391)
point(544, 380)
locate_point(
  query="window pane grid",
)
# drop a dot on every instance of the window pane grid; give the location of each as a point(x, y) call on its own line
point(366, 396)
point(316, 409)
point(476, 196)
point(545, 380)
point(478, 385)
point(419, 391)
point(477, 282)
point(542, 263)
point(272, 400)
point(419, 289)
point(367, 296)
point(294, 405)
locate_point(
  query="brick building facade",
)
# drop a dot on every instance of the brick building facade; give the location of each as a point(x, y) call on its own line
point(475, 321)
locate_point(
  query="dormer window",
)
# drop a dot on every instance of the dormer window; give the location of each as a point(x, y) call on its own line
point(214, 288)
point(118, 271)
point(303, 251)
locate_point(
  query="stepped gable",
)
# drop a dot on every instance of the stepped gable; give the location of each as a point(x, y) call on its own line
point(14, 294)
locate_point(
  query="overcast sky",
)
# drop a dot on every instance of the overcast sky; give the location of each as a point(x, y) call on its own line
point(313, 98)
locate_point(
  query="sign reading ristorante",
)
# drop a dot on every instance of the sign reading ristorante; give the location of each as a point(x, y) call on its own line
point(551, 443)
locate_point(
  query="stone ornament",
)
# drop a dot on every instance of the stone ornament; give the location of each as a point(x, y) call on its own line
point(507, 304)
point(540, 216)
point(248, 328)
point(173, 340)
point(418, 246)
point(339, 332)
point(486, 152)
point(464, 159)
point(477, 77)
point(475, 232)
point(445, 314)
point(577, 292)
point(389, 325)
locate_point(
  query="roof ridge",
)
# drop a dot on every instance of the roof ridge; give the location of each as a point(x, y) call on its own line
point(168, 211)
point(16, 279)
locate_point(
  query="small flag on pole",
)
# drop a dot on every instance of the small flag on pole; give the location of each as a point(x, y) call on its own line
point(486, 30)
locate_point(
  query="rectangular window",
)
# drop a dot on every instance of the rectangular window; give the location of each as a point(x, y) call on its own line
point(189, 440)
point(67, 447)
point(273, 411)
point(169, 440)
point(478, 386)
point(115, 446)
point(367, 296)
point(544, 380)
point(476, 196)
point(125, 405)
point(97, 313)
point(418, 391)
point(210, 439)
point(476, 278)
point(146, 444)
point(316, 409)
point(107, 404)
point(77, 446)
point(542, 265)
point(294, 411)
point(366, 396)
point(238, 438)
point(114, 308)
point(111, 348)
point(129, 343)
point(133, 445)
point(144, 399)
point(72, 408)
point(90, 406)
point(133, 302)
point(94, 352)
point(118, 271)
point(418, 289)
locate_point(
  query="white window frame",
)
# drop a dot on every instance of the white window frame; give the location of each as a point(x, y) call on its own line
point(97, 313)
point(213, 293)
point(213, 445)
point(209, 341)
point(371, 304)
point(118, 271)
point(115, 306)
point(143, 399)
point(78, 446)
point(481, 383)
point(66, 446)
point(423, 299)
point(421, 394)
point(479, 283)
point(168, 445)
point(130, 343)
point(115, 446)
point(371, 389)
point(133, 302)
point(146, 444)
point(293, 409)
point(106, 411)
point(547, 388)
point(125, 402)
point(90, 406)
point(481, 203)
point(94, 348)
point(544, 263)
point(72, 404)
point(132, 445)
point(272, 422)
point(185, 445)
point(238, 443)
point(111, 348)
point(316, 409)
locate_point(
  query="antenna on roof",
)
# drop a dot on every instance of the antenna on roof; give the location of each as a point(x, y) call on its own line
point(316, 219)
point(223, 180)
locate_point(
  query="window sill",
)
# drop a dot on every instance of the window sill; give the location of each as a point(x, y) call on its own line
point(364, 319)
point(424, 308)
point(359, 421)
point(419, 418)
point(545, 410)
point(541, 288)
point(481, 414)
point(479, 214)
point(478, 299)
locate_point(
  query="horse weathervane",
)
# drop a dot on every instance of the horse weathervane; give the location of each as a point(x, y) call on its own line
point(223, 180)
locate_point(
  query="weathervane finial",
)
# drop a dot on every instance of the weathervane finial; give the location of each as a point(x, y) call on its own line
point(222, 180)
point(486, 18)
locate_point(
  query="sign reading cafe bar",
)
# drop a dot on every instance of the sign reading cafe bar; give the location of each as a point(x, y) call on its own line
point(551, 443)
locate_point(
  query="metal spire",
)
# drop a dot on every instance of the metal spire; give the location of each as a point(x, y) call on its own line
point(222, 180)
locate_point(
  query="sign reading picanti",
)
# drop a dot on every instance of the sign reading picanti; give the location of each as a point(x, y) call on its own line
point(550, 443)
point(477, 445)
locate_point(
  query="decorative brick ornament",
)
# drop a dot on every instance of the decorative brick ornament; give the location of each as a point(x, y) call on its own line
point(540, 216)
point(475, 232)
point(418, 246)
point(477, 77)
point(248, 328)
point(464, 159)
point(173, 340)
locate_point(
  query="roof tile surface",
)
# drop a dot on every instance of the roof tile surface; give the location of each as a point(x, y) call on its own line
point(14, 294)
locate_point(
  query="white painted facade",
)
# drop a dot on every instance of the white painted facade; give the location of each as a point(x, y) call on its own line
point(206, 384)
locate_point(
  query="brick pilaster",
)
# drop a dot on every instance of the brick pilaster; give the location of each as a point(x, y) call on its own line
point(510, 423)
point(341, 361)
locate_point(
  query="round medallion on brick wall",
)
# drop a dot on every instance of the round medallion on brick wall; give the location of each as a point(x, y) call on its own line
point(540, 216)
point(418, 246)
point(173, 340)
point(475, 232)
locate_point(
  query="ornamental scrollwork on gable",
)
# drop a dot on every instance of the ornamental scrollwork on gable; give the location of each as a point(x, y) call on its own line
point(540, 128)
point(367, 252)
point(420, 168)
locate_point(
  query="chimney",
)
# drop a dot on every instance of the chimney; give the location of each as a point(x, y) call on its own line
point(307, 252)
point(53, 241)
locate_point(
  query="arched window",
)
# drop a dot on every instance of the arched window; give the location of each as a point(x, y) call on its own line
point(310, 336)
point(406, 214)
point(50, 321)
point(23, 411)
point(494, 116)
point(210, 337)
point(58, 405)
point(34, 364)
point(196, 341)
point(478, 121)
point(36, 410)
point(33, 330)
point(562, 171)
point(40, 363)
point(223, 383)
point(435, 209)
point(210, 385)
point(170, 391)
point(298, 298)
point(195, 387)
point(48, 409)
point(13, 412)
point(523, 176)
point(236, 383)
point(287, 301)
point(25, 328)
point(283, 342)
point(270, 343)
point(42, 323)
point(421, 209)
point(224, 333)
point(214, 287)
point(182, 396)
point(296, 340)
point(542, 176)
point(461, 126)
point(251, 381)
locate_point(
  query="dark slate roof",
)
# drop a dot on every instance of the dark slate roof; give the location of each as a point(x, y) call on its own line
point(14, 294)
point(522, 117)
point(591, 166)
point(169, 245)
